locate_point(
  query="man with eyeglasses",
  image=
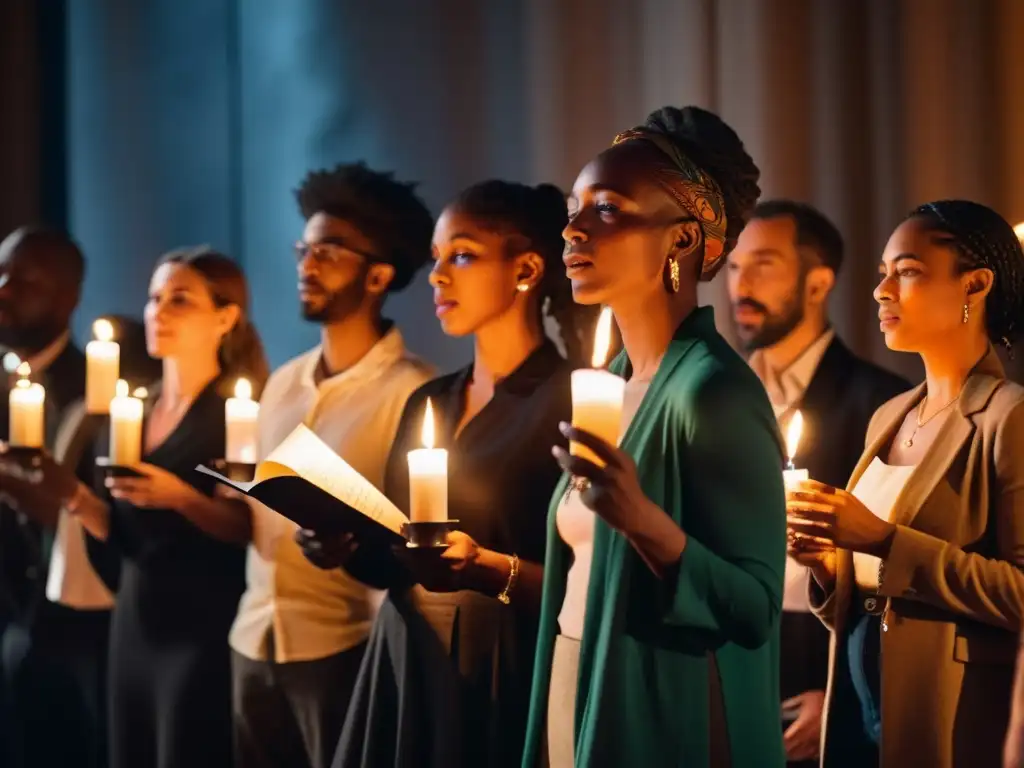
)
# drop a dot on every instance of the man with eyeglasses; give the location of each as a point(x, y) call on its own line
point(300, 633)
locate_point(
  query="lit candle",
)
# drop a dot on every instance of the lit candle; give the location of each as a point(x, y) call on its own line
point(597, 395)
point(102, 367)
point(794, 432)
point(241, 413)
point(428, 477)
point(26, 406)
point(1019, 231)
point(125, 427)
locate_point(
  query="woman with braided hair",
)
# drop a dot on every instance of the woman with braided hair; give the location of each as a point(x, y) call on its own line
point(918, 566)
point(663, 576)
point(446, 677)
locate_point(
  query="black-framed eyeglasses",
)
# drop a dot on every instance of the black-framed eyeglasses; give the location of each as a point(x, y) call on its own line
point(329, 251)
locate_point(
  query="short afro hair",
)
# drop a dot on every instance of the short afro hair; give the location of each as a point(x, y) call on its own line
point(386, 211)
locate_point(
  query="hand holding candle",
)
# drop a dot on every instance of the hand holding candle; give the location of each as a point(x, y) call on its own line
point(793, 476)
point(102, 367)
point(597, 395)
point(26, 403)
point(428, 477)
point(241, 414)
point(125, 427)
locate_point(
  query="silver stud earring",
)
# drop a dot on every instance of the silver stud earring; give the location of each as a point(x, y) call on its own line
point(523, 287)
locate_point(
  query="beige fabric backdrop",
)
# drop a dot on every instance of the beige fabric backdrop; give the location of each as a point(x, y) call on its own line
point(863, 107)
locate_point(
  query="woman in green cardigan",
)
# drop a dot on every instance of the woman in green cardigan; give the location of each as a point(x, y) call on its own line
point(658, 642)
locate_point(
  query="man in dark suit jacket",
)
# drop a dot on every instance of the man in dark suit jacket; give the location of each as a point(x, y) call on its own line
point(54, 655)
point(780, 276)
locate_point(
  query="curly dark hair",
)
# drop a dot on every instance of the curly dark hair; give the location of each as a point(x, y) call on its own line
point(982, 239)
point(534, 218)
point(388, 212)
point(716, 149)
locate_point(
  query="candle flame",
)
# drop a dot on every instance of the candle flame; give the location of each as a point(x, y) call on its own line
point(793, 434)
point(602, 339)
point(243, 389)
point(141, 392)
point(1019, 231)
point(24, 370)
point(103, 330)
point(121, 388)
point(427, 434)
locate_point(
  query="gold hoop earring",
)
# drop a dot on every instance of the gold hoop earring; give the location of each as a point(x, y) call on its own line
point(673, 275)
point(967, 312)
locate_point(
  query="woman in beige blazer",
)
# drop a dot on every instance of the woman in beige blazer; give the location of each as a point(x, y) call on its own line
point(917, 566)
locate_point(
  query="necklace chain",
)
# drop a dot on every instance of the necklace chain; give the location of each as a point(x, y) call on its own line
point(909, 442)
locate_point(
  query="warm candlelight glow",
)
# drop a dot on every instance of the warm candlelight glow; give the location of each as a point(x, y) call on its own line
point(602, 339)
point(794, 432)
point(103, 330)
point(11, 362)
point(25, 403)
point(1019, 231)
point(241, 417)
point(243, 389)
point(597, 395)
point(427, 432)
point(125, 427)
point(793, 435)
point(141, 393)
point(428, 476)
point(102, 367)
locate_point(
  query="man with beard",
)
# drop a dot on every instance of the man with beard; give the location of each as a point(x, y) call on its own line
point(301, 631)
point(55, 607)
point(780, 276)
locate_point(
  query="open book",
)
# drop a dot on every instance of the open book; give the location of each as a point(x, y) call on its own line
point(307, 482)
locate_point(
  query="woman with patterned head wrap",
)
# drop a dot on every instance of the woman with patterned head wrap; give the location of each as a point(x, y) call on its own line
point(663, 577)
point(918, 567)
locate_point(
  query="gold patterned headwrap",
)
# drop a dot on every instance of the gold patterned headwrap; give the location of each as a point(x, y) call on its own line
point(693, 190)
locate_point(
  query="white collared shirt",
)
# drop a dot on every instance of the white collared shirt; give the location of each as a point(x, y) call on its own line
point(785, 390)
point(44, 358)
point(309, 612)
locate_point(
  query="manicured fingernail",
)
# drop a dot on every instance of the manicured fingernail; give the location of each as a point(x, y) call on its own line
point(563, 427)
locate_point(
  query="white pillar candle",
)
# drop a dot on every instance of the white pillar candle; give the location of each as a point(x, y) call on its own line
point(793, 476)
point(428, 477)
point(597, 395)
point(26, 411)
point(241, 414)
point(125, 427)
point(102, 367)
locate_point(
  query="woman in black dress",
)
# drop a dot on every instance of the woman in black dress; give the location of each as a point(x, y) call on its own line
point(181, 549)
point(446, 677)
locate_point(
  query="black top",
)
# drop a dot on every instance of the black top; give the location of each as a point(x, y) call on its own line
point(839, 402)
point(446, 677)
point(500, 468)
point(173, 572)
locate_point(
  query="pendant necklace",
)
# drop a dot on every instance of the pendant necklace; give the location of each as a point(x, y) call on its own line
point(909, 442)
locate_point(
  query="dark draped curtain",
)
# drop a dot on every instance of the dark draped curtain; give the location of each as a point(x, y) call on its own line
point(192, 121)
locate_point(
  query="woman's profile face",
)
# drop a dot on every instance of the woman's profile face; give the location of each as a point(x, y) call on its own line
point(620, 227)
point(921, 294)
point(473, 276)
